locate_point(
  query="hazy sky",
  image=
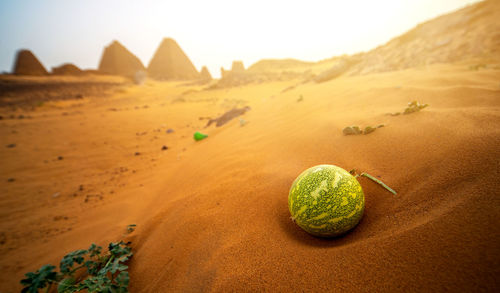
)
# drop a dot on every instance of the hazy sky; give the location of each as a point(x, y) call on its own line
point(212, 33)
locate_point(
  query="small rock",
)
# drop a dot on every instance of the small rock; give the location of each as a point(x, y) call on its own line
point(137, 153)
point(11, 180)
point(164, 148)
point(60, 158)
point(12, 145)
point(81, 187)
point(56, 194)
point(170, 130)
point(20, 117)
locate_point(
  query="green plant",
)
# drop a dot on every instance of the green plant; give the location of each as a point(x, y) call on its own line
point(85, 269)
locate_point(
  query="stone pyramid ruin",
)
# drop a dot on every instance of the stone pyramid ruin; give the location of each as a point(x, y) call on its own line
point(117, 60)
point(27, 64)
point(205, 74)
point(237, 67)
point(67, 69)
point(171, 63)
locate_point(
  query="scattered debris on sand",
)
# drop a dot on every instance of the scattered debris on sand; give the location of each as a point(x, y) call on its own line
point(228, 116)
point(199, 136)
point(356, 130)
point(413, 106)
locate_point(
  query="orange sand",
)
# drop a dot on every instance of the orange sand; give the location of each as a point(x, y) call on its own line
point(213, 215)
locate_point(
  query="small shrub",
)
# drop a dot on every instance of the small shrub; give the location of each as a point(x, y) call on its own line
point(85, 269)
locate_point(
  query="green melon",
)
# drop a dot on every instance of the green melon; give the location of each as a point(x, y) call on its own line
point(326, 201)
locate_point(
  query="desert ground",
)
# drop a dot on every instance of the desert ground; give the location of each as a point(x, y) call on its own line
point(87, 158)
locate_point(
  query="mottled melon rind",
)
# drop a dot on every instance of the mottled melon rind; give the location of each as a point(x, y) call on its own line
point(326, 201)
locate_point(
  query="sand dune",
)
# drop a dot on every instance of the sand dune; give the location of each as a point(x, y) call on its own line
point(212, 215)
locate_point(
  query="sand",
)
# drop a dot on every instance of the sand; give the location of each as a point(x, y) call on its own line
point(213, 215)
point(83, 157)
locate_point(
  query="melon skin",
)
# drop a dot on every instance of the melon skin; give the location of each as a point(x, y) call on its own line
point(326, 201)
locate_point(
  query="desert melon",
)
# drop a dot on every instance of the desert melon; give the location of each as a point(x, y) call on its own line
point(326, 201)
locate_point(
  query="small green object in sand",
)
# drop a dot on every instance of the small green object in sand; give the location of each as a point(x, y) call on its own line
point(199, 136)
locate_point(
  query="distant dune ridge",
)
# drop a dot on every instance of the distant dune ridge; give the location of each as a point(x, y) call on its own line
point(471, 32)
point(171, 63)
point(117, 60)
point(27, 64)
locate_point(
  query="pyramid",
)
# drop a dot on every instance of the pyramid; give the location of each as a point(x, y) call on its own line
point(27, 64)
point(205, 74)
point(170, 62)
point(237, 67)
point(67, 69)
point(117, 60)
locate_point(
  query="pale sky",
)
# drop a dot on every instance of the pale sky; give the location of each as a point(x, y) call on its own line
point(211, 33)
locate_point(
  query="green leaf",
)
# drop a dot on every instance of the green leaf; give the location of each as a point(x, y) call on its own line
point(67, 286)
point(68, 260)
point(39, 279)
point(122, 281)
point(92, 267)
point(94, 250)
